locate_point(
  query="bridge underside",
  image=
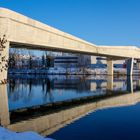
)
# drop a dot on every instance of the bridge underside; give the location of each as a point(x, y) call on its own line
point(24, 32)
point(48, 48)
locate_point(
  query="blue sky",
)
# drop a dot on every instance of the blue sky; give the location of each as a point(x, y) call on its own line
point(102, 22)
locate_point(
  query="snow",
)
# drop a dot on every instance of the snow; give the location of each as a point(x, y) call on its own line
point(6, 134)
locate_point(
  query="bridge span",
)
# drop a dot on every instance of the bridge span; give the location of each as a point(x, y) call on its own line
point(17, 30)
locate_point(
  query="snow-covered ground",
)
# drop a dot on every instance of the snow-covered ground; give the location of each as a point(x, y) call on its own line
point(67, 71)
point(6, 134)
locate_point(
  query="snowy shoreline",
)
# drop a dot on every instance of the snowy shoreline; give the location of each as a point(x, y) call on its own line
point(71, 71)
point(6, 134)
point(68, 71)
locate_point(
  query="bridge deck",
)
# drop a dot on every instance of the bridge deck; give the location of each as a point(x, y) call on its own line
point(22, 31)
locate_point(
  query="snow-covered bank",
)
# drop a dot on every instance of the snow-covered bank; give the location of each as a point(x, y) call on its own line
point(71, 71)
point(6, 134)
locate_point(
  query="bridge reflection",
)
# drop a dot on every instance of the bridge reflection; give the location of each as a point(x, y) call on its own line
point(47, 118)
point(79, 83)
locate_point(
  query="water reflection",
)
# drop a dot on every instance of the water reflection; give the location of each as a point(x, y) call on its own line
point(30, 91)
point(48, 103)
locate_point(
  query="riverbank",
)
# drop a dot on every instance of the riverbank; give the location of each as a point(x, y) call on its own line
point(6, 134)
point(71, 71)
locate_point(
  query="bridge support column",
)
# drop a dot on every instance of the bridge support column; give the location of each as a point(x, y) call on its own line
point(109, 67)
point(4, 56)
point(130, 84)
point(130, 63)
point(109, 82)
point(4, 110)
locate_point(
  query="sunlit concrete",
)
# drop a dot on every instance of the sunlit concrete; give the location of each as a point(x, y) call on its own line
point(4, 109)
point(110, 82)
point(109, 67)
point(25, 32)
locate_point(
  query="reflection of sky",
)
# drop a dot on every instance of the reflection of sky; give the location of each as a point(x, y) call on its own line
point(37, 97)
point(26, 95)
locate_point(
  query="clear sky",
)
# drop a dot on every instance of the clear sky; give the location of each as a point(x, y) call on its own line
point(102, 22)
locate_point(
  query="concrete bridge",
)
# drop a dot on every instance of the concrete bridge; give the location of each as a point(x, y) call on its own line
point(20, 31)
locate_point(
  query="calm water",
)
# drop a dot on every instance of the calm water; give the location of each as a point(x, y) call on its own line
point(73, 107)
point(31, 91)
point(108, 124)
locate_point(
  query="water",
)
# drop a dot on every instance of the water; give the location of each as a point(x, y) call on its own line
point(109, 124)
point(32, 91)
point(72, 107)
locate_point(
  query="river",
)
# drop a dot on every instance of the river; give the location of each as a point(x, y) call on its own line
point(72, 107)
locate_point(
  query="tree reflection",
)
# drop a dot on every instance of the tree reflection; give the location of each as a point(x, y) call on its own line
point(31, 89)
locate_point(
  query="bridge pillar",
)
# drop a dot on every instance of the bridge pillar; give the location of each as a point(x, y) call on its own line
point(130, 84)
point(130, 63)
point(109, 82)
point(4, 56)
point(4, 109)
point(109, 67)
